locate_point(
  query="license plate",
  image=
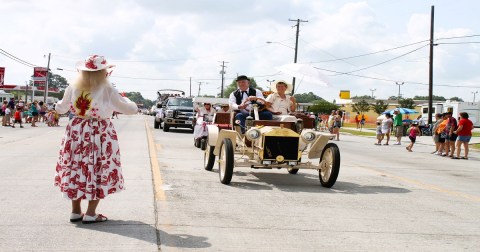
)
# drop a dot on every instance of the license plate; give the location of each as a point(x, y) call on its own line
point(188, 122)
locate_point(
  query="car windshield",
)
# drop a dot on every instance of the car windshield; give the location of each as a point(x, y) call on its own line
point(180, 102)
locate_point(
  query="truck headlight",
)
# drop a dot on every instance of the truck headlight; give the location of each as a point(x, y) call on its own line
point(308, 136)
point(253, 134)
point(169, 113)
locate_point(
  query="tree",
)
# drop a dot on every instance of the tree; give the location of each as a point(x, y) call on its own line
point(379, 107)
point(361, 106)
point(307, 97)
point(57, 81)
point(455, 98)
point(407, 103)
point(393, 97)
point(322, 106)
point(363, 97)
point(138, 98)
point(233, 86)
point(425, 98)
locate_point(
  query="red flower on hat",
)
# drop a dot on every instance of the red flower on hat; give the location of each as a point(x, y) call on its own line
point(90, 64)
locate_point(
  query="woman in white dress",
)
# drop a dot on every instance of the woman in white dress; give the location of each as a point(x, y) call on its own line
point(88, 167)
point(280, 103)
point(386, 128)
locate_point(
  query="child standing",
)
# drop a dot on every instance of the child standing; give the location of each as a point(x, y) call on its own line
point(8, 113)
point(379, 133)
point(17, 118)
point(413, 131)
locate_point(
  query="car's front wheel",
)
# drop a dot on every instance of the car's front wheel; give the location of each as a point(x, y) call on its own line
point(225, 161)
point(329, 165)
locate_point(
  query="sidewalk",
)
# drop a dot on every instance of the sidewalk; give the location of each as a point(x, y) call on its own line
point(475, 140)
point(36, 217)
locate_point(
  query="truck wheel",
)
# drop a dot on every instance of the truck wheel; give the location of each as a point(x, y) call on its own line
point(225, 161)
point(209, 158)
point(156, 124)
point(203, 144)
point(166, 128)
point(329, 165)
point(292, 170)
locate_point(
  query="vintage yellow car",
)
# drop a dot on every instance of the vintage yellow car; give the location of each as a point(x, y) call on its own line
point(270, 145)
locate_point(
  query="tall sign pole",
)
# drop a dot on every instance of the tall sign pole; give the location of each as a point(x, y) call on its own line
point(46, 81)
point(296, 47)
point(430, 70)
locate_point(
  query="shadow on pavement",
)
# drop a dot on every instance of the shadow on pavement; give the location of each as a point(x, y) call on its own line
point(310, 183)
point(146, 232)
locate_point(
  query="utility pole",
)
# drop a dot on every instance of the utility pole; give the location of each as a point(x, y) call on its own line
point(46, 81)
point(399, 94)
point(373, 90)
point(430, 69)
point(199, 84)
point(223, 77)
point(296, 47)
point(474, 93)
point(190, 86)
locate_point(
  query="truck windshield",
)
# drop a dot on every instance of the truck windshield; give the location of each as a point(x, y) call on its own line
point(180, 102)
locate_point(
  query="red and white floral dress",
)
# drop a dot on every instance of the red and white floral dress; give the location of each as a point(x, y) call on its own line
point(89, 165)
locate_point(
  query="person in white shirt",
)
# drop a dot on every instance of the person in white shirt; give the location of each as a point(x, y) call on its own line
point(242, 99)
point(280, 103)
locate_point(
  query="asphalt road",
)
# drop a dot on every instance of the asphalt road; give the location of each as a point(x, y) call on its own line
point(385, 199)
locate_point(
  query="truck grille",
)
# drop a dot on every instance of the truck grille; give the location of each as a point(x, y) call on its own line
point(285, 146)
point(184, 115)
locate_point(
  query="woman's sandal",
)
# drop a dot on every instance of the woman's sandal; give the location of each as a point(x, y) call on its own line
point(76, 217)
point(466, 158)
point(455, 158)
point(94, 219)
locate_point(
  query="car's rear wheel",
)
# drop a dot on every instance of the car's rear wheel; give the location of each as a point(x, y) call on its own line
point(292, 170)
point(209, 158)
point(329, 165)
point(225, 161)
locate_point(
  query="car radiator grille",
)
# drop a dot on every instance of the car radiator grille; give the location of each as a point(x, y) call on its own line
point(285, 146)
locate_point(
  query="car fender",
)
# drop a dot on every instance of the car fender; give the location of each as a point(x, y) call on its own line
point(212, 134)
point(222, 135)
point(318, 145)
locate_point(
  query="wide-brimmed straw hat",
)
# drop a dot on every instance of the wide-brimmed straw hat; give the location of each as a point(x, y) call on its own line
point(93, 63)
point(273, 86)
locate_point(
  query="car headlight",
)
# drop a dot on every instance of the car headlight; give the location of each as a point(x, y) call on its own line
point(308, 136)
point(253, 134)
point(169, 113)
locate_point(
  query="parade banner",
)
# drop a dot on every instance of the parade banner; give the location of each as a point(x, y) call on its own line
point(2, 75)
point(39, 76)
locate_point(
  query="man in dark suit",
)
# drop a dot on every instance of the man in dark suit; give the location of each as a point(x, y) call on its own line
point(242, 99)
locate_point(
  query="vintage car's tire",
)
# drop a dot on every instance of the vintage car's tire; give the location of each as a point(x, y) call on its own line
point(331, 167)
point(156, 124)
point(166, 128)
point(292, 170)
point(209, 158)
point(203, 144)
point(225, 161)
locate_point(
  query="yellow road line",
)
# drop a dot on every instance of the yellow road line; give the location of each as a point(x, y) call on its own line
point(425, 185)
point(157, 177)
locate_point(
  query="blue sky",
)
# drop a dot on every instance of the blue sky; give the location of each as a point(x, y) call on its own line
point(160, 44)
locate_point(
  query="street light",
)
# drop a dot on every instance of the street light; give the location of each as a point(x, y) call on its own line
point(270, 86)
point(399, 94)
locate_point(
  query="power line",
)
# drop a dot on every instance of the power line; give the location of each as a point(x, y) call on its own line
point(13, 57)
point(457, 37)
point(386, 61)
point(458, 43)
point(371, 53)
point(392, 80)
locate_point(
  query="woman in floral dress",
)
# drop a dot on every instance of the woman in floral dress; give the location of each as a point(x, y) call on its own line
point(88, 166)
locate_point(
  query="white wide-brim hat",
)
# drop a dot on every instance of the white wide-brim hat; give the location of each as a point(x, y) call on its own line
point(273, 86)
point(93, 63)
